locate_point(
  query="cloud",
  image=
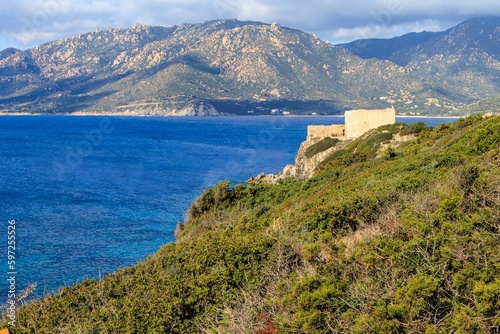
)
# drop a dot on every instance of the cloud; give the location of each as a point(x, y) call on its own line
point(25, 23)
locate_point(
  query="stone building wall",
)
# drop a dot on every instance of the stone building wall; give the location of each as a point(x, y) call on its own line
point(359, 121)
point(318, 132)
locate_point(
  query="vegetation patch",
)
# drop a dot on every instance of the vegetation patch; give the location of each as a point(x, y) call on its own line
point(321, 146)
point(414, 128)
point(409, 244)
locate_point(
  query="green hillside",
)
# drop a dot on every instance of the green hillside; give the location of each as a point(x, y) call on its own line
point(405, 243)
point(484, 106)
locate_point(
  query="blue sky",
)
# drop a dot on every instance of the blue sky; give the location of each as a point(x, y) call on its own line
point(26, 23)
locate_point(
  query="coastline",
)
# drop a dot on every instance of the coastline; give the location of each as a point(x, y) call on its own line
point(121, 114)
point(428, 116)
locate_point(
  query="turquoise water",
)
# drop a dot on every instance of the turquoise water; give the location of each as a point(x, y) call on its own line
point(92, 194)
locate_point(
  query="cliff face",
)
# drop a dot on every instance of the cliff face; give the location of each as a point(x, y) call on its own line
point(306, 165)
point(317, 150)
point(324, 140)
point(312, 152)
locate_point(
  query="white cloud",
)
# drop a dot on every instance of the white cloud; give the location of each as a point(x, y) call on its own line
point(383, 31)
point(30, 22)
point(31, 37)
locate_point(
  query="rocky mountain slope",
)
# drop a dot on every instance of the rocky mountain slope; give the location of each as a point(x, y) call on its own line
point(486, 106)
point(461, 63)
point(230, 66)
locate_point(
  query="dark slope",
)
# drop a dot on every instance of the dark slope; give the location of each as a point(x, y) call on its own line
point(386, 48)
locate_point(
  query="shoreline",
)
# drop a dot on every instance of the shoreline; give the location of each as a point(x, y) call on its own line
point(234, 115)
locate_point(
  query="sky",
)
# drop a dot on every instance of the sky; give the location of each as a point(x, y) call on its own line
point(27, 23)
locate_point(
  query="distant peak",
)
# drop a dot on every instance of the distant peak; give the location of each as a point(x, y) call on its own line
point(484, 19)
point(8, 52)
point(477, 22)
point(140, 26)
point(232, 23)
point(275, 26)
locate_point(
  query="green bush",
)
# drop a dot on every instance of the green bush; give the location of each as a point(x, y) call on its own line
point(414, 128)
point(321, 146)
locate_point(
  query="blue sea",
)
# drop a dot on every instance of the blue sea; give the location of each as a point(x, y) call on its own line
point(90, 195)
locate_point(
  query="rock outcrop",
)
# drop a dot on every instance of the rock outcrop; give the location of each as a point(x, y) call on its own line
point(308, 159)
point(305, 166)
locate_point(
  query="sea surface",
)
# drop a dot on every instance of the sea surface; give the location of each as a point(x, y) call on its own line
point(90, 195)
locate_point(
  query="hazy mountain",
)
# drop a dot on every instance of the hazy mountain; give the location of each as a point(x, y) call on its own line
point(460, 64)
point(8, 52)
point(466, 39)
point(470, 43)
point(386, 48)
point(230, 66)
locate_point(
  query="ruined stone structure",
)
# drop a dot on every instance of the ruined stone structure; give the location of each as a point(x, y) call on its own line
point(357, 122)
point(318, 132)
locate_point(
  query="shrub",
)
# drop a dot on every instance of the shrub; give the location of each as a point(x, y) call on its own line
point(321, 146)
point(389, 152)
point(414, 128)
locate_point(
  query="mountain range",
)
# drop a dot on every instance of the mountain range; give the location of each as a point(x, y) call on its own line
point(241, 67)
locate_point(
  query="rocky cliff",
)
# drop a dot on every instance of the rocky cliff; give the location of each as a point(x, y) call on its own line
point(315, 152)
point(305, 165)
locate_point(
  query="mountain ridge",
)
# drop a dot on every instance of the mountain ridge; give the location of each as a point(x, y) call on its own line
point(384, 48)
point(241, 67)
